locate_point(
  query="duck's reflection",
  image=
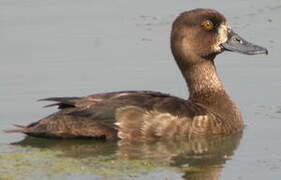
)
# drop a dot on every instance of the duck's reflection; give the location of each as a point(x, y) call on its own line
point(199, 158)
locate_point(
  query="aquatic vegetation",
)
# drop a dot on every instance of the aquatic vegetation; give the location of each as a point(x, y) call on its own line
point(35, 162)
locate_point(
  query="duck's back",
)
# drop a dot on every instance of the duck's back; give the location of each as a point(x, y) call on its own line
point(130, 115)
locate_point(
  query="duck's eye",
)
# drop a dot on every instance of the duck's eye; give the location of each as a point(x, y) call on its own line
point(208, 25)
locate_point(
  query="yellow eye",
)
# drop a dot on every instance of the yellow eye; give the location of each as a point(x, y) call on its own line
point(208, 25)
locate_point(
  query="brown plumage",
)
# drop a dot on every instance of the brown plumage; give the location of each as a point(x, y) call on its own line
point(197, 37)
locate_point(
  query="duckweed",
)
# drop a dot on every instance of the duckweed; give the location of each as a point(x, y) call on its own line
point(22, 163)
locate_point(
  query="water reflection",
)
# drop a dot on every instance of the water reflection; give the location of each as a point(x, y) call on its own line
point(200, 158)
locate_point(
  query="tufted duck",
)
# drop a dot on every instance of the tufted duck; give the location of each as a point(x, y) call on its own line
point(197, 36)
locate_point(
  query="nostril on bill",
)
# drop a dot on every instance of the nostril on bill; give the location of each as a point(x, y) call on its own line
point(238, 40)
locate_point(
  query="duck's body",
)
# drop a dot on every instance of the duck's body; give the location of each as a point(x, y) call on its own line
point(136, 115)
point(197, 37)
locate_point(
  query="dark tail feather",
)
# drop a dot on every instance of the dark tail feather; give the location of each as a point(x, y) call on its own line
point(20, 130)
point(51, 105)
point(66, 100)
point(62, 102)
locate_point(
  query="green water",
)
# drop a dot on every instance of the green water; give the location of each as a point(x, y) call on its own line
point(34, 158)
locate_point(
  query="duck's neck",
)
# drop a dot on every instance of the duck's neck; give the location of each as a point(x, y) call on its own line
point(202, 80)
point(206, 89)
point(201, 77)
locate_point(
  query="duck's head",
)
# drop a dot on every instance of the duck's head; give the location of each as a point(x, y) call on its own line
point(204, 33)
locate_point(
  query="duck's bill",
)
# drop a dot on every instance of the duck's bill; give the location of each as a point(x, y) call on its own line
point(236, 43)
